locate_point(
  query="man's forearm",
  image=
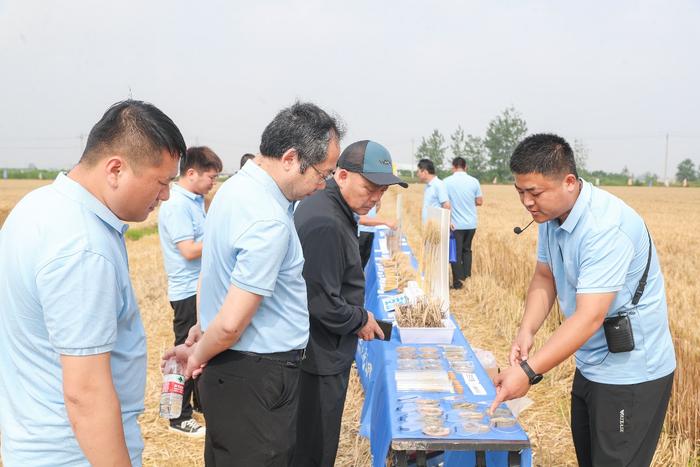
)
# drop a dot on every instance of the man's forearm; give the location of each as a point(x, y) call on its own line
point(97, 424)
point(230, 322)
point(94, 412)
point(591, 310)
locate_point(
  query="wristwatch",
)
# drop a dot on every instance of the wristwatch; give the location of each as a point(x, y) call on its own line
point(531, 375)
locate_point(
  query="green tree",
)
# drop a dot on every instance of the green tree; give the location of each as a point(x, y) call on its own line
point(503, 134)
point(472, 149)
point(686, 170)
point(433, 148)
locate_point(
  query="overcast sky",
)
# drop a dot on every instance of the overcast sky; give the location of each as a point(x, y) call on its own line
point(617, 75)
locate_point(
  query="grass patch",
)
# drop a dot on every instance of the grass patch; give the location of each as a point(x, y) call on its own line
point(136, 234)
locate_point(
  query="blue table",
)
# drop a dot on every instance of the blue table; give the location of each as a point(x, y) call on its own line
point(376, 364)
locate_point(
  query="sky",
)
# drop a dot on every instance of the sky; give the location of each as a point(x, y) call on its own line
point(619, 76)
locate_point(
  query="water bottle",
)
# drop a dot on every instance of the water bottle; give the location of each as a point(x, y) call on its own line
point(173, 387)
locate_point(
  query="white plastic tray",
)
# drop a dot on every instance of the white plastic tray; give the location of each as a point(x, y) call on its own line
point(442, 335)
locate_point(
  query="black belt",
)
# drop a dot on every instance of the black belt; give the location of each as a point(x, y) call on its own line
point(294, 356)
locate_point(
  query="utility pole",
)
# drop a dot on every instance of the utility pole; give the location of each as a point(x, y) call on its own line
point(666, 162)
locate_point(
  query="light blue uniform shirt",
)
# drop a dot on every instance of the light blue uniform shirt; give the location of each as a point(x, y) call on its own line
point(463, 189)
point(181, 218)
point(250, 241)
point(367, 228)
point(64, 282)
point(601, 247)
point(435, 194)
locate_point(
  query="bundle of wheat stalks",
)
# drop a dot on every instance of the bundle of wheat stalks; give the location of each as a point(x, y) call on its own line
point(426, 312)
point(430, 256)
point(398, 271)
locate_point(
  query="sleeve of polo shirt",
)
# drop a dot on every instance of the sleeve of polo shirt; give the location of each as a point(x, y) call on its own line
point(259, 254)
point(442, 193)
point(605, 260)
point(542, 253)
point(81, 299)
point(323, 271)
point(178, 222)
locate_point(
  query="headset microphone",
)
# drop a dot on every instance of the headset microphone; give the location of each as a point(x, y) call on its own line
point(518, 230)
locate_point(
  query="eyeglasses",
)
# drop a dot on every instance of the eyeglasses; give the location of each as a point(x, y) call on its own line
point(323, 177)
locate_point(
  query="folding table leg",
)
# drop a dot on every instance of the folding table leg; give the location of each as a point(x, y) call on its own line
point(480, 458)
point(421, 459)
point(399, 458)
point(513, 458)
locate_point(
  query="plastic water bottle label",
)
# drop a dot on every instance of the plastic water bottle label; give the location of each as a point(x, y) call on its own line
point(173, 383)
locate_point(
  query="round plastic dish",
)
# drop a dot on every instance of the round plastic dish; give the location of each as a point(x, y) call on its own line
point(436, 430)
point(502, 412)
point(407, 364)
point(462, 404)
point(474, 427)
point(502, 422)
point(431, 411)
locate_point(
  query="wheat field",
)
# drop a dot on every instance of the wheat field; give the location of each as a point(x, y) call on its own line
point(488, 310)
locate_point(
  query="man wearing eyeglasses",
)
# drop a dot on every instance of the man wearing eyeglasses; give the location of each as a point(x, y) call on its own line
point(252, 299)
point(335, 281)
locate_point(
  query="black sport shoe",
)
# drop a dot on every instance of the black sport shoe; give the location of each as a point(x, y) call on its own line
point(189, 428)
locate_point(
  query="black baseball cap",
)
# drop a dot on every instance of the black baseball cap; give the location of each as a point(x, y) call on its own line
point(372, 161)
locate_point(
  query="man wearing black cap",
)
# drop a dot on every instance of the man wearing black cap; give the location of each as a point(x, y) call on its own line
point(335, 283)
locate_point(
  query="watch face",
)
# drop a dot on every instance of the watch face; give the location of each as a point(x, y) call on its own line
point(536, 379)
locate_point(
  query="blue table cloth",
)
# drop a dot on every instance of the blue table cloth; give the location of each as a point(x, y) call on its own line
point(376, 363)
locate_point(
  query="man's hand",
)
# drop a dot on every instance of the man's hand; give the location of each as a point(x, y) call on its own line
point(194, 334)
point(510, 384)
point(391, 224)
point(371, 329)
point(520, 348)
point(184, 354)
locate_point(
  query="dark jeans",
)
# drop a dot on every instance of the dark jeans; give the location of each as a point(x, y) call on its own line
point(250, 405)
point(365, 241)
point(617, 424)
point(321, 402)
point(462, 268)
point(185, 317)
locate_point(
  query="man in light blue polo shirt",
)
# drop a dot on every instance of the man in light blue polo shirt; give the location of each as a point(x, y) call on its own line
point(253, 303)
point(465, 195)
point(72, 345)
point(181, 228)
point(435, 191)
point(595, 255)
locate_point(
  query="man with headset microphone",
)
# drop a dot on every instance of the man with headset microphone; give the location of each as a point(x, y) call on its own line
point(595, 255)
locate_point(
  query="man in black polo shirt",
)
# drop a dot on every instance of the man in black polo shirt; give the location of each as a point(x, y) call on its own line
point(335, 283)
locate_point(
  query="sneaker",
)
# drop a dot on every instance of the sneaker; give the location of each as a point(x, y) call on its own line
point(189, 428)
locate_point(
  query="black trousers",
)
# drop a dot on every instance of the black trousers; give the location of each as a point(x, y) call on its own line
point(365, 240)
point(250, 406)
point(321, 403)
point(617, 425)
point(185, 317)
point(462, 268)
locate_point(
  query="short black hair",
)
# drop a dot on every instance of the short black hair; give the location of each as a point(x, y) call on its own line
point(543, 153)
point(426, 164)
point(304, 127)
point(246, 157)
point(459, 162)
point(139, 129)
point(201, 159)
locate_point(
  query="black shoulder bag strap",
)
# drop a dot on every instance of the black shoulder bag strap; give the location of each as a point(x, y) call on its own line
point(643, 280)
